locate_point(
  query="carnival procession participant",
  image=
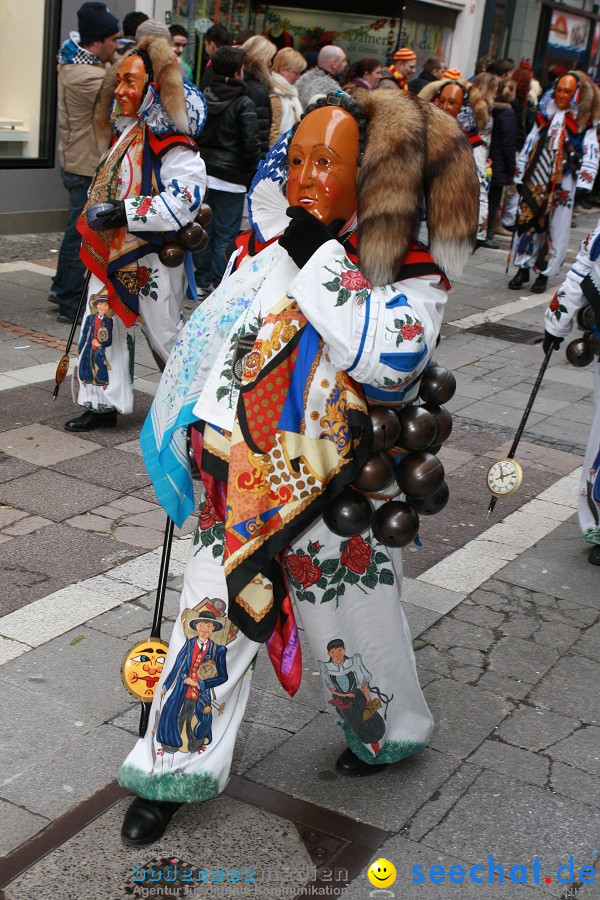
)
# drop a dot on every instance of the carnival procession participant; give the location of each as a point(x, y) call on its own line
point(339, 312)
point(582, 286)
point(151, 182)
point(559, 155)
point(464, 102)
point(82, 63)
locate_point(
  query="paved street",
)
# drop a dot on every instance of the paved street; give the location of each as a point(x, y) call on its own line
point(505, 614)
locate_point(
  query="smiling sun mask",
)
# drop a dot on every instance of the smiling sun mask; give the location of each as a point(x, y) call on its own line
point(142, 666)
point(323, 164)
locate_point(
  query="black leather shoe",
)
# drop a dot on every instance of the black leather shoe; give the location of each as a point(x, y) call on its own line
point(146, 820)
point(90, 420)
point(539, 285)
point(349, 764)
point(594, 555)
point(520, 279)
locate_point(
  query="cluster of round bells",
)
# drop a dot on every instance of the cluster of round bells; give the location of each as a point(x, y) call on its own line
point(582, 350)
point(191, 237)
point(415, 433)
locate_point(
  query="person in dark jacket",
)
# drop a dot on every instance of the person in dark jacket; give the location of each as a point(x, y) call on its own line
point(260, 53)
point(433, 69)
point(230, 149)
point(216, 36)
point(503, 150)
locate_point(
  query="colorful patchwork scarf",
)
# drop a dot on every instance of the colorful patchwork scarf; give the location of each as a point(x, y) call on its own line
point(300, 436)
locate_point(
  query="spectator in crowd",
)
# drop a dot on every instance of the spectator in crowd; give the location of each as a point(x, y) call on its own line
point(216, 36)
point(388, 81)
point(326, 75)
point(152, 28)
point(433, 69)
point(366, 74)
point(82, 64)
point(259, 54)
point(288, 66)
point(130, 24)
point(404, 66)
point(230, 148)
point(503, 151)
point(179, 41)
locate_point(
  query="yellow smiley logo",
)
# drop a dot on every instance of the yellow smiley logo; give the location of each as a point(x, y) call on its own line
point(381, 873)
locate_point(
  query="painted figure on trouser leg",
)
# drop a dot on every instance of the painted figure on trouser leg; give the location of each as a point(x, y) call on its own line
point(149, 184)
point(559, 155)
point(277, 378)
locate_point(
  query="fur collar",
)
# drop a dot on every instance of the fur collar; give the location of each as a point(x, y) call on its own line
point(472, 93)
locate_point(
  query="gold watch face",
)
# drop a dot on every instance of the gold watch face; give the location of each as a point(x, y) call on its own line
point(504, 477)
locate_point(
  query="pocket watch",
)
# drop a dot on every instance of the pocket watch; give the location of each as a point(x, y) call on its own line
point(504, 477)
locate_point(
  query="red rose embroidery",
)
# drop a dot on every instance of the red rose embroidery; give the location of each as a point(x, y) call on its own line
point(554, 304)
point(208, 515)
point(409, 332)
point(354, 281)
point(302, 570)
point(143, 275)
point(144, 206)
point(356, 555)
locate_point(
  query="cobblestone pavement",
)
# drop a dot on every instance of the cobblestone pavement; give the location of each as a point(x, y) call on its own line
point(505, 614)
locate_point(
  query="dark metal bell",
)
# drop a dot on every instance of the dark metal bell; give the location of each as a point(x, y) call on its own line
point(417, 428)
point(192, 237)
point(579, 353)
point(585, 318)
point(376, 473)
point(349, 514)
point(438, 385)
point(430, 505)
point(420, 475)
point(171, 255)
point(204, 215)
point(395, 524)
point(386, 428)
point(443, 421)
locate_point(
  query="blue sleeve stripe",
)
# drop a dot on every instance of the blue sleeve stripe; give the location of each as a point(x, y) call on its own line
point(403, 362)
point(197, 199)
point(170, 210)
point(364, 334)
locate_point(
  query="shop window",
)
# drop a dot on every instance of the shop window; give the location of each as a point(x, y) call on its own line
point(29, 41)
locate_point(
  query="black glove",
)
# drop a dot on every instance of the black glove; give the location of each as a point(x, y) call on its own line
point(551, 340)
point(305, 234)
point(110, 218)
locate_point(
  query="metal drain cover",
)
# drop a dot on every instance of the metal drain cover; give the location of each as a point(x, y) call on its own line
point(506, 333)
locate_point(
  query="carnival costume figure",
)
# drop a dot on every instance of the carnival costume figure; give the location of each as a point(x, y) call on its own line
point(465, 103)
point(337, 311)
point(559, 155)
point(149, 183)
point(580, 288)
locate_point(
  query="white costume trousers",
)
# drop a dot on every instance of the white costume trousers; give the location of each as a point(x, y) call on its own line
point(345, 591)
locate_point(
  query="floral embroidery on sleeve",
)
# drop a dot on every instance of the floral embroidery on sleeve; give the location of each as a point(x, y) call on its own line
point(349, 281)
point(142, 206)
point(556, 307)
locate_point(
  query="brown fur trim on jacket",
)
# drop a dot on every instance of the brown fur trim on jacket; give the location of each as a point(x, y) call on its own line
point(167, 77)
point(589, 102)
point(413, 149)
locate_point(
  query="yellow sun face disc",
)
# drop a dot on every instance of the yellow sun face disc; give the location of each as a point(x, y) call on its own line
point(142, 666)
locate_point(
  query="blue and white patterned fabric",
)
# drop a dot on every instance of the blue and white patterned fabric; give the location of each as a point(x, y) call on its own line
point(267, 202)
point(153, 114)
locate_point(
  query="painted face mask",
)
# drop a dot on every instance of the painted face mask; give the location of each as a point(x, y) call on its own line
point(565, 91)
point(131, 88)
point(451, 99)
point(142, 666)
point(323, 164)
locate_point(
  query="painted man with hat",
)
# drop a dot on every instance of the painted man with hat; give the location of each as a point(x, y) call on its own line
point(404, 66)
point(186, 719)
